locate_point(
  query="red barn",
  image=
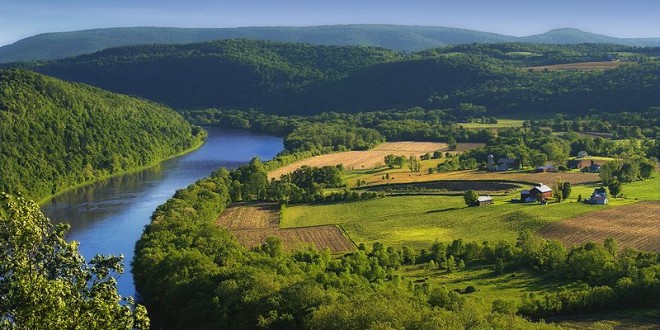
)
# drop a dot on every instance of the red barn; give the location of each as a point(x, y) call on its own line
point(541, 192)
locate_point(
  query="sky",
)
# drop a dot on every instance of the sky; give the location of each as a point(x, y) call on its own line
point(631, 18)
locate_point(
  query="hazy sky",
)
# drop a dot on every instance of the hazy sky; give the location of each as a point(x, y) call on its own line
point(630, 18)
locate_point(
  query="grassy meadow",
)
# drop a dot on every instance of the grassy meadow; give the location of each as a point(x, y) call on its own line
point(418, 220)
point(501, 123)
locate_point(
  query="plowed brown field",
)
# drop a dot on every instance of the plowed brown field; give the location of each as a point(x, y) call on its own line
point(252, 223)
point(636, 225)
point(370, 158)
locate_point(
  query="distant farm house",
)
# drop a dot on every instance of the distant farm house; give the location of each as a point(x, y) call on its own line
point(484, 200)
point(546, 168)
point(536, 194)
point(575, 164)
point(503, 164)
point(593, 168)
point(599, 196)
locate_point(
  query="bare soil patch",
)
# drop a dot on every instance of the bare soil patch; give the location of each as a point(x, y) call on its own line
point(370, 158)
point(252, 223)
point(636, 225)
point(586, 66)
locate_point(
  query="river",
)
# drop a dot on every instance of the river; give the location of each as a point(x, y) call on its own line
point(108, 217)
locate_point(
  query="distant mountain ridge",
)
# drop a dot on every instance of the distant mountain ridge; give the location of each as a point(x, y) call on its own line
point(58, 45)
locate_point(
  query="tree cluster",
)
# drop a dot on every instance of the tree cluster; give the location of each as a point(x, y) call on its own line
point(192, 273)
point(46, 284)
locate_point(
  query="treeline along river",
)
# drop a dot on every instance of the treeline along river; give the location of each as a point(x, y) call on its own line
point(108, 217)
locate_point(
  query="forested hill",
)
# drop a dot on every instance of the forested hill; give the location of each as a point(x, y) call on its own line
point(288, 78)
point(54, 134)
point(227, 73)
point(58, 45)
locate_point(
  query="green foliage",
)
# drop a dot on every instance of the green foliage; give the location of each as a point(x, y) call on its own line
point(55, 135)
point(322, 137)
point(304, 79)
point(470, 198)
point(46, 284)
point(539, 159)
point(614, 187)
point(566, 190)
point(627, 170)
point(393, 161)
point(192, 273)
point(413, 163)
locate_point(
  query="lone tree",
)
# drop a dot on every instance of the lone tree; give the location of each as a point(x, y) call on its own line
point(470, 197)
point(46, 284)
point(566, 189)
point(451, 143)
point(614, 187)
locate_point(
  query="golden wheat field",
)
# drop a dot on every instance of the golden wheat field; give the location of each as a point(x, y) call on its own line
point(370, 158)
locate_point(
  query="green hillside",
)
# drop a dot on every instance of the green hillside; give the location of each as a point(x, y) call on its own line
point(55, 135)
point(58, 45)
point(289, 78)
point(229, 73)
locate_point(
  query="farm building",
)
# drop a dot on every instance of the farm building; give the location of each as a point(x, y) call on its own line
point(484, 200)
point(599, 196)
point(538, 193)
point(593, 168)
point(503, 164)
point(546, 168)
point(575, 164)
point(582, 154)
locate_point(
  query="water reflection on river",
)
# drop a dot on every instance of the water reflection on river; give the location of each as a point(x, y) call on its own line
point(108, 217)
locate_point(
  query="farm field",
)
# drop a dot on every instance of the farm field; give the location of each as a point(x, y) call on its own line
point(405, 176)
point(490, 287)
point(501, 123)
point(252, 223)
point(636, 225)
point(370, 158)
point(419, 220)
point(448, 187)
point(587, 66)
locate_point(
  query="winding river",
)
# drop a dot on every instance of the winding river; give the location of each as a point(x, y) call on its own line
point(108, 217)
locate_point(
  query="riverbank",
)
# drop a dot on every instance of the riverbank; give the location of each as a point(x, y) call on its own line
point(198, 145)
point(108, 217)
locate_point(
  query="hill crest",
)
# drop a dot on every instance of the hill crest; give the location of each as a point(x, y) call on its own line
point(405, 38)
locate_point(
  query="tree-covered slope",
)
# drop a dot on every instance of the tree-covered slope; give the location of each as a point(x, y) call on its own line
point(54, 134)
point(58, 45)
point(231, 73)
point(289, 78)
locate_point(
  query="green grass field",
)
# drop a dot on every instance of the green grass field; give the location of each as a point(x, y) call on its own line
point(524, 54)
point(501, 123)
point(419, 220)
point(490, 287)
